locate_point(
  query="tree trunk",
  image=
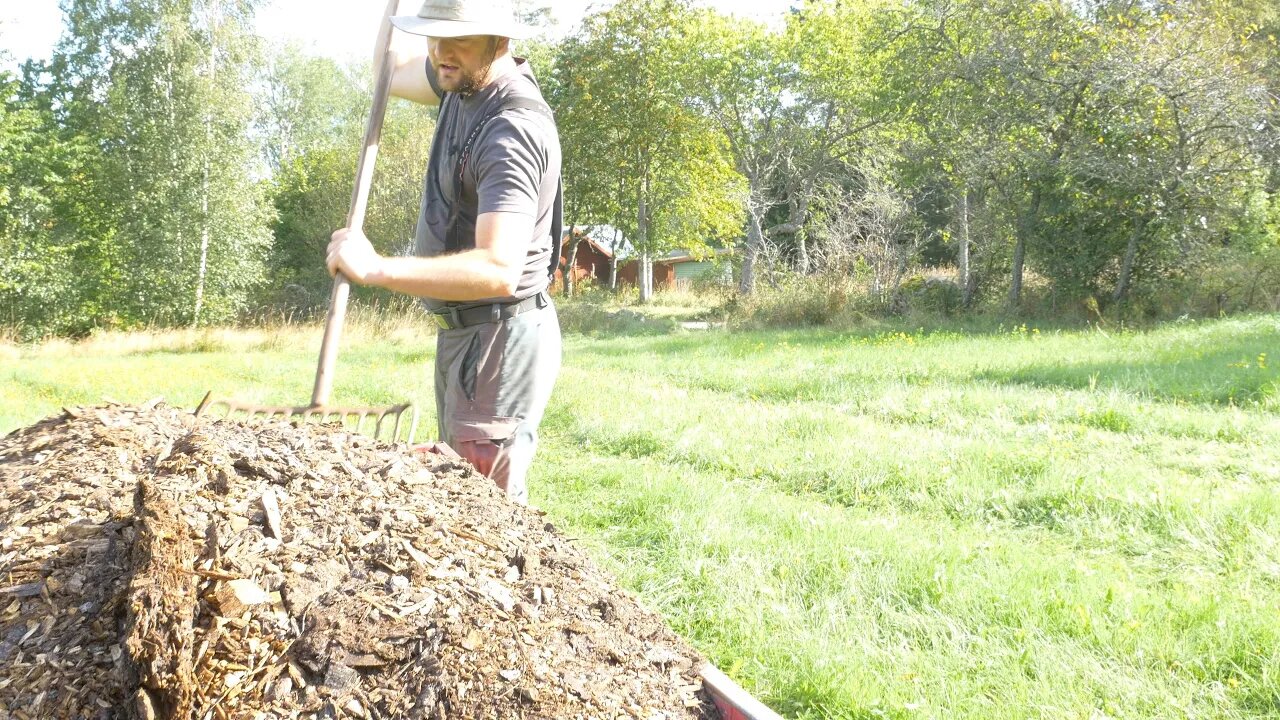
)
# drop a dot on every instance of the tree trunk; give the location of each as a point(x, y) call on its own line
point(1126, 267)
point(613, 260)
point(963, 259)
point(799, 211)
point(203, 272)
point(1020, 250)
point(177, 264)
point(645, 279)
point(645, 276)
point(1015, 282)
point(755, 241)
point(570, 261)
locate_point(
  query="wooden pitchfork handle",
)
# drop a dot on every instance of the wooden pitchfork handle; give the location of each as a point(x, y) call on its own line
point(355, 217)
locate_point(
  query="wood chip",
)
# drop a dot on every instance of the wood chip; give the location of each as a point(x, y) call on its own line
point(418, 556)
point(236, 596)
point(271, 507)
point(24, 590)
point(402, 587)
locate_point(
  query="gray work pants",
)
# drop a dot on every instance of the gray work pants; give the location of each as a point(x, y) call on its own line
point(493, 381)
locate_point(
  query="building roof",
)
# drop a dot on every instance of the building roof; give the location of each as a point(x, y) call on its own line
point(595, 245)
point(628, 253)
point(682, 255)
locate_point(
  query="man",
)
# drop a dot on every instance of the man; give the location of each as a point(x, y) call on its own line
point(487, 236)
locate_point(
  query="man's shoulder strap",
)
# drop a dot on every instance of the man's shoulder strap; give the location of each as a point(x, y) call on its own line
point(511, 102)
point(517, 102)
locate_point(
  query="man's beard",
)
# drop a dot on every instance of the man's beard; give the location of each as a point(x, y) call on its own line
point(471, 82)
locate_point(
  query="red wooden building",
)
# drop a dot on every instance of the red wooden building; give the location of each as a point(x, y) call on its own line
point(664, 274)
point(677, 268)
point(592, 261)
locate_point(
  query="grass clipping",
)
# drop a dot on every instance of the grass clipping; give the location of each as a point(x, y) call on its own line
point(156, 565)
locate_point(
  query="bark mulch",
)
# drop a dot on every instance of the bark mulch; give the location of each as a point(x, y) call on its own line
point(156, 565)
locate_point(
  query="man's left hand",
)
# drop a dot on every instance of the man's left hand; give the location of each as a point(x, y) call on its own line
point(351, 253)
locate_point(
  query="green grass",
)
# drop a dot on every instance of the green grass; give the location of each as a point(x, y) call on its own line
point(893, 523)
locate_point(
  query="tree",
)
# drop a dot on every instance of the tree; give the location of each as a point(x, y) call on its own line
point(1179, 145)
point(741, 79)
point(950, 138)
point(317, 111)
point(39, 286)
point(159, 89)
point(669, 165)
point(1009, 89)
point(591, 150)
point(796, 108)
point(310, 103)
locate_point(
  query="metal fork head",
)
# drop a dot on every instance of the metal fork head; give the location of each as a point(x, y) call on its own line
point(387, 423)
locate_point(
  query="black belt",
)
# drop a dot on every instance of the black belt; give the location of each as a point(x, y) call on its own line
point(459, 316)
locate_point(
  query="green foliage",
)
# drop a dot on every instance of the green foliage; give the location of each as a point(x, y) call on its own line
point(1233, 280)
point(38, 285)
point(136, 189)
point(932, 294)
point(590, 153)
point(738, 85)
point(1118, 143)
point(310, 193)
point(162, 169)
point(311, 103)
point(315, 123)
point(793, 300)
point(397, 190)
point(639, 158)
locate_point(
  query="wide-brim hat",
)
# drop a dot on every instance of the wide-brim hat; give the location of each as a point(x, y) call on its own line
point(455, 18)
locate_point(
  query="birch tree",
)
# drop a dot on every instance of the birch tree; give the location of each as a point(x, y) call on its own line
point(161, 89)
point(670, 164)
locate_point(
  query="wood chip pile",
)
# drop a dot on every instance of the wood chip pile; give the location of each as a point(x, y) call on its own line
point(156, 565)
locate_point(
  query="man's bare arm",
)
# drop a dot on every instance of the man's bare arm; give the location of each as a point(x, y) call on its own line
point(492, 269)
point(409, 80)
point(409, 76)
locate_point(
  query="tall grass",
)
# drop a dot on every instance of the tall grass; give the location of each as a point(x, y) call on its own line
point(1015, 523)
point(998, 521)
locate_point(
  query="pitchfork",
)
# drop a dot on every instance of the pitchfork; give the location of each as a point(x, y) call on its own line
point(388, 422)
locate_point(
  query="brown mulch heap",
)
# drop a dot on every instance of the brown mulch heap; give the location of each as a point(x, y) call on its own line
point(156, 565)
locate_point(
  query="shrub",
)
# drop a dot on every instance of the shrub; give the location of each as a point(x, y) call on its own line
point(795, 300)
point(1233, 280)
point(932, 291)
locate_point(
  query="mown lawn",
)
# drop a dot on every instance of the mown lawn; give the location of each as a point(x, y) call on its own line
point(890, 523)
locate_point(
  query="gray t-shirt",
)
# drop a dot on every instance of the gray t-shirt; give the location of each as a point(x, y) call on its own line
point(514, 166)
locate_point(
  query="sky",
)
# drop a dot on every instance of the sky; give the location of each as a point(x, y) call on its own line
point(341, 29)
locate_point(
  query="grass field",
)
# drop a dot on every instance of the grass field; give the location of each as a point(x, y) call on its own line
point(891, 523)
